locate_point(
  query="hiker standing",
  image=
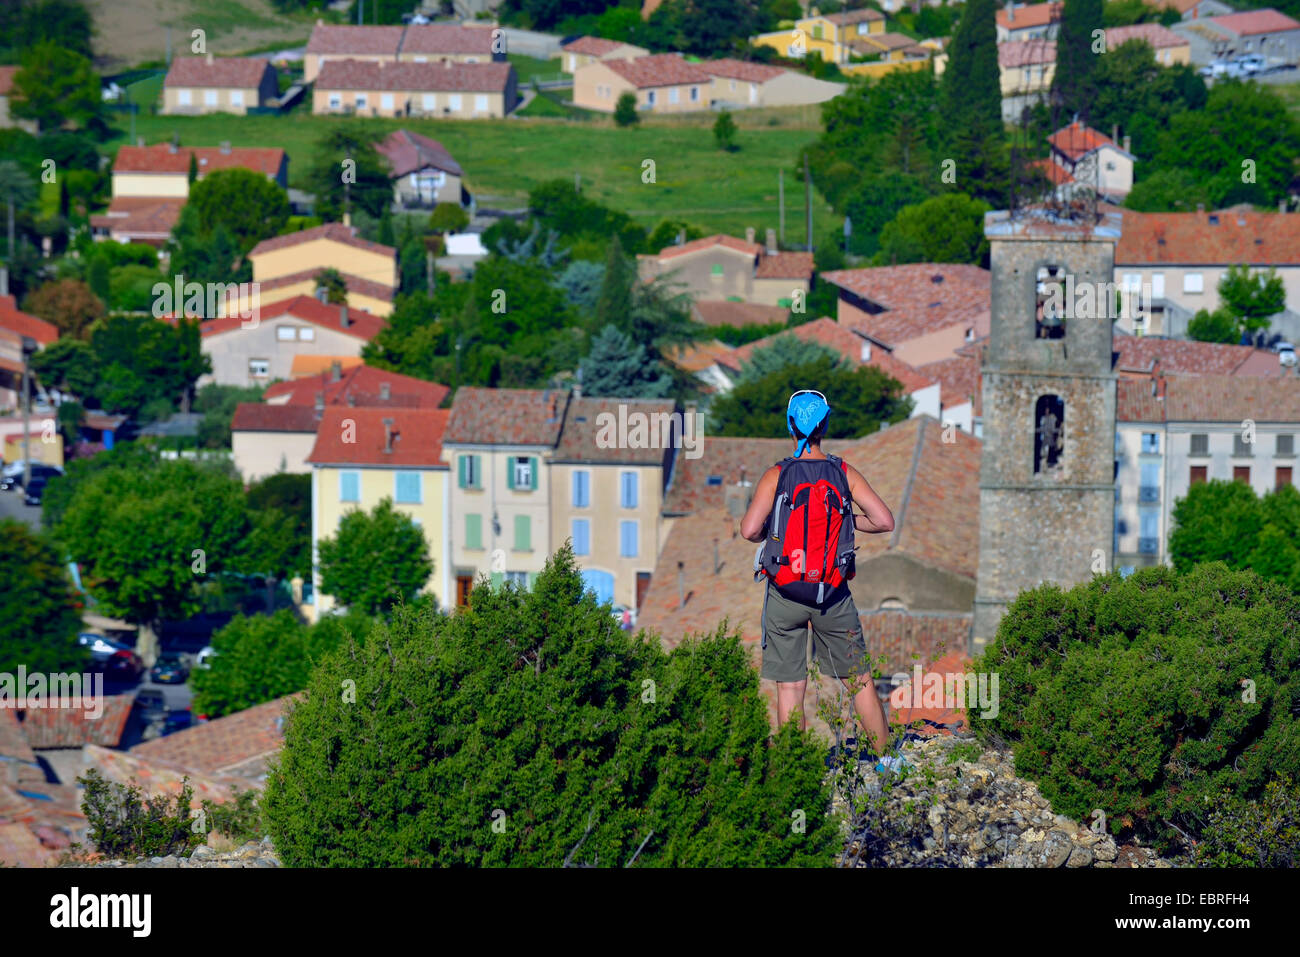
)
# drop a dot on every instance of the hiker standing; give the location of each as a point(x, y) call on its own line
point(802, 511)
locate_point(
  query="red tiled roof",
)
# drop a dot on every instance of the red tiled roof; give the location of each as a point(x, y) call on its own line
point(898, 635)
point(408, 152)
point(887, 41)
point(785, 266)
point(360, 385)
point(159, 158)
point(741, 70)
point(236, 72)
point(1232, 398)
point(659, 69)
point(1135, 401)
point(447, 38)
point(721, 312)
point(361, 324)
point(140, 216)
point(914, 303)
point(708, 242)
point(1251, 23)
point(698, 356)
point(260, 417)
point(1077, 140)
point(7, 79)
point(354, 284)
point(507, 416)
point(959, 381)
point(19, 845)
point(335, 232)
point(853, 16)
point(591, 46)
point(223, 744)
point(21, 323)
point(417, 436)
point(361, 40)
point(1056, 174)
point(69, 726)
point(1031, 15)
point(689, 489)
point(1158, 36)
point(419, 77)
point(1236, 236)
point(1014, 54)
point(1145, 354)
point(580, 435)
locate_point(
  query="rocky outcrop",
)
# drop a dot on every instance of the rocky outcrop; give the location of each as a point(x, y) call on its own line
point(253, 854)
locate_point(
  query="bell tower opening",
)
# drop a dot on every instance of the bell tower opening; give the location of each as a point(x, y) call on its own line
point(1049, 433)
point(1049, 311)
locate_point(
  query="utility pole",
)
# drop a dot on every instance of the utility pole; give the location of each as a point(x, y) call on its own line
point(780, 201)
point(807, 199)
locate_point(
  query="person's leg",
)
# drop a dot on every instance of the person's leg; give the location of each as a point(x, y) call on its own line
point(789, 699)
point(842, 650)
point(785, 653)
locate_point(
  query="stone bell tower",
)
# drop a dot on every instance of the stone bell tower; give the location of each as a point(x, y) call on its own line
point(1047, 481)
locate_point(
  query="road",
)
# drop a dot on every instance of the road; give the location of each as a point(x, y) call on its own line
point(12, 506)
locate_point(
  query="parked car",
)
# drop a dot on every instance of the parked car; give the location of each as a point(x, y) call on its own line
point(35, 490)
point(12, 477)
point(169, 670)
point(205, 656)
point(101, 648)
point(177, 721)
point(1251, 63)
point(151, 705)
point(124, 665)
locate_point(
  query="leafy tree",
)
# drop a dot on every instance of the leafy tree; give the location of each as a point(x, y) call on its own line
point(97, 278)
point(1217, 521)
point(1123, 13)
point(787, 351)
point(67, 365)
point(1139, 95)
point(556, 205)
point(599, 777)
point(1168, 190)
point(18, 191)
point(68, 304)
point(724, 132)
point(371, 191)
point(1252, 298)
point(625, 111)
point(122, 823)
point(280, 544)
point(56, 86)
point(668, 231)
point(69, 415)
point(193, 175)
point(39, 611)
point(138, 358)
point(863, 399)
point(874, 203)
point(217, 403)
point(614, 303)
point(25, 23)
point(709, 27)
point(581, 282)
point(375, 561)
point(619, 368)
point(211, 257)
point(335, 286)
point(448, 218)
point(1074, 83)
point(122, 458)
point(947, 228)
point(248, 205)
point(1217, 326)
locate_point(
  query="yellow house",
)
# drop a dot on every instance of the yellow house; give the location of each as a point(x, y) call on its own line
point(1170, 48)
point(498, 446)
point(578, 53)
point(211, 84)
point(607, 483)
point(288, 266)
point(895, 51)
point(1025, 71)
point(363, 455)
point(661, 83)
point(443, 89)
point(828, 34)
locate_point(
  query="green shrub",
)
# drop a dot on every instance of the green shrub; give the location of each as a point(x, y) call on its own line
point(1246, 833)
point(530, 730)
point(1149, 696)
point(240, 819)
point(123, 825)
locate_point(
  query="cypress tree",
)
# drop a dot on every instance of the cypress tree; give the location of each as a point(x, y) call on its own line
point(1074, 85)
point(972, 93)
point(194, 169)
point(614, 304)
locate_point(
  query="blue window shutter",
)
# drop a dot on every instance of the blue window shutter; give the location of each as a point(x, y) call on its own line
point(349, 487)
point(461, 463)
point(532, 472)
point(627, 539)
point(581, 536)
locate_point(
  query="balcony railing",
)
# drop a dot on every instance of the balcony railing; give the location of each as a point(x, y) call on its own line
point(1148, 546)
point(1149, 493)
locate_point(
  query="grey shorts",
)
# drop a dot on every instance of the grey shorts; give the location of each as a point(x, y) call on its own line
point(836, 634)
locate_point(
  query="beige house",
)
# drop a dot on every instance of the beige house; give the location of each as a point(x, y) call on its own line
point(268, 439)
point(726, 268)
point(1033, 21)
point(335, 42)
point(498, 446)
point(578, 53)
point(289, 265)
point(211, 84)
point(6, 91)
point(424, 174)
point(445, 89)
point(1091, 157)
point(606, 497)
point(738, 84)
point(1170, 47)
point(662, 83)
point(828, 35)
point(256, 352)
point(459, 43)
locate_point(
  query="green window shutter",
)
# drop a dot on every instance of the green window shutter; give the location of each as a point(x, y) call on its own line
point(460, 469)
point(532, 472)
point(473, 531)
point(478, 471)
point(510, 472)
point(497, 578)
point(523, 533)
point(532, 577)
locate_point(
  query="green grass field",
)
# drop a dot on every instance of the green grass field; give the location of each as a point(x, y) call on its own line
point(503, 159)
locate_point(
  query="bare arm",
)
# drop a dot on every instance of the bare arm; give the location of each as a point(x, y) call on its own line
point(760, 506)
point(876, 516)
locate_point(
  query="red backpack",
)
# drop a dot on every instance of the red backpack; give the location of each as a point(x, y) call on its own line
point(809, 546)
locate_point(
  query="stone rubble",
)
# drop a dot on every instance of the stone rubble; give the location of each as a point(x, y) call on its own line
point(253, 854)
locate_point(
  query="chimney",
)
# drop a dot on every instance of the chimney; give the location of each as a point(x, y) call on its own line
point(1011, 12)
point(681, 585)
point(1114, 133)
point(385, 391)
point(737, 499)
point(209, 59)
point(681, 237)
point(388, 436)
point(771, 241)
point(1128, 143)
point(1200, 207)
point(716, 564)
point(171, 147)
point(320, 404)
point(555, 405)
point(225, 147)
point(749, 234)
point(447, 64)
point(343, 316)
point(4, 281)
point(336, 371)
point(139, 141)
point(321, 294)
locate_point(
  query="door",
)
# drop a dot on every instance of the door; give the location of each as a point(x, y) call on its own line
point(464, 585)
point(642, 586)
point(602, 583)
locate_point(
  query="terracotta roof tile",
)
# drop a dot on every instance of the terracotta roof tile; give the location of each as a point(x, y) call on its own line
point(591, 46)
point(1014, 54)
point(506, 416)
point(417, 436)
point(698, 356)
point(69, 726)
point(409, 152)
point(354, 284)
point(447, 38)
point(1144, 354)
point(659, 69)
point(336, 232)
point(1214, 398)
point(159, 158)
point(223, 744)
point(1056, 174)
point(260, 417)
point(721, 312)
point(360, 385)
point(959, 381)
point(20, 847)
point(1030, 15)
point(372, 41)
point(1158, 36)
point(690, 488)
point(785, 266)
point(1251, 23)
point(1224, 237)
point(582, 427)
point(898, 635)
point(1077, 140)
point(708, 242)
point(236, 72)
point(140, 217)
point(917, 299)
point(850, 17)
point(1135, 401)
point(21, 323)
point(361, 324)
point(733, 69)
point(887, 41)
point(416, 77)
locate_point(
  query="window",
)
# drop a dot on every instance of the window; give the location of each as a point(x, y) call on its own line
point(518, 579)
point(581, 534)
point(1285, 445)
point(1200, 444)
point(361, 101)
point(407, 488)
point(1282, 476)
point(307, 334)
point(1049, 287)
point(672, 94)
point(236, 97)
point(627, 539)
point(336, 101)
point(627, 489)
point(285, 333)
point(185, 97)
point(1151, 443)
point(1049, 433)
point(1241, 473)
point(480, 103)
point(1148, 531)
point(1157, 285)
point(453, 100)
point(581, 489)
point(716, 270)
point(386, 101)
point(573, 62)
point(650, 98)
point(1240, 447)
point(209, 97)
point(1197, 474)
point(1193, 282)
point(523, 472)
point(259, 368)
point(473, 531)
point(1132, 282)
point(695, 94)
point(470, 475)
point(1110, 166)
point(349, 486)
point(421, 59)
point(1149, 490)
point(430, 102)
point(523, 533)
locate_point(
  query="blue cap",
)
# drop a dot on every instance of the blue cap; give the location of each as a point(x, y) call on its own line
point(805, 412)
